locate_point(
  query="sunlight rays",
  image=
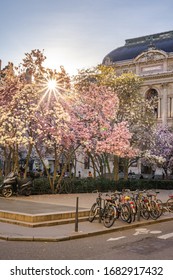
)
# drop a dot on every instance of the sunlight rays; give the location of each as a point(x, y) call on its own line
point(54, 88)
point(51, 84)
point(49, 89)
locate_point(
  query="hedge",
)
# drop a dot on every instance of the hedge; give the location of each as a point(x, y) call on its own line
point(88, 185)
point(104, 185)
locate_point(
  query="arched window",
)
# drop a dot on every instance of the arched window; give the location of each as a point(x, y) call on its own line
point(152, 95)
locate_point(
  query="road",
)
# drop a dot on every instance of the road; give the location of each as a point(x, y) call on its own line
point(154, 242)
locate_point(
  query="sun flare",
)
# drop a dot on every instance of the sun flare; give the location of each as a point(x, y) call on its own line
point(53, 89)
point(52, 84)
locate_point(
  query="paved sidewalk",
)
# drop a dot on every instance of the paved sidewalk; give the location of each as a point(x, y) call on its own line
point(12, 232)
point(60, 203)
point(36, 204)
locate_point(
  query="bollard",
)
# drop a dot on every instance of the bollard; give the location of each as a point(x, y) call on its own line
point(76, 215)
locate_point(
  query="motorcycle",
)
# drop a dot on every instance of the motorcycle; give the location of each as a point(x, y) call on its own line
point(12, 184)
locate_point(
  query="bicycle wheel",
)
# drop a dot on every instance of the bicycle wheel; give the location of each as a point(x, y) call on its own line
point(159, 205)
point(125, 213)
point(145, 214)
point(133, 214)
point(109, 216)
point(155, 211)
point(169, 204)
point(93, 212)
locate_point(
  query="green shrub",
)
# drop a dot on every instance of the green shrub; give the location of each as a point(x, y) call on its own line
point(88, 185)
point(41, 186)
point(105, 185)
point(145, 184)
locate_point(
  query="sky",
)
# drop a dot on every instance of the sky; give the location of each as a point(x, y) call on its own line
point(77, 33)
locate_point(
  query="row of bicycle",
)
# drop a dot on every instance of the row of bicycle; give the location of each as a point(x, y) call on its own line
point(128, 205)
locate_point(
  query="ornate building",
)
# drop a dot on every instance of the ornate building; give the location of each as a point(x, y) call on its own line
point(150, 57)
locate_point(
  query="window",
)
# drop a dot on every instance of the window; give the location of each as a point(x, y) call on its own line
point(170, 107)
point(152, 95)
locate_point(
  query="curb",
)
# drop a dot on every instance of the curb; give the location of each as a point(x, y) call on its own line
point(41, 220)
point(80, 234)
point(43, 224)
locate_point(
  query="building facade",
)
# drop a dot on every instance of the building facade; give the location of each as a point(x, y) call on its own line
point(150, 57)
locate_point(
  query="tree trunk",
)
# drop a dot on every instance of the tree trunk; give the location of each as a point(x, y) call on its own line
point(16, 159)
point(93, 164)
point(7, 162)
point(126, 167)
point(27, 159)
point(47, 173)
point(55, 165)
point(116, 168)
point(107, 164)
point(65, 166)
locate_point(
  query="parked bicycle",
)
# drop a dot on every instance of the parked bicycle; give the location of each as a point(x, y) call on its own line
point(144, 204)
point(128, 205)
point(123, 209)
point(103, 210)
point(169, 203)
point(116, 208)
point(155, 204)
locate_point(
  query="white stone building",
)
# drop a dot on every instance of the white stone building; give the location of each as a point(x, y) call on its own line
point(150, 57)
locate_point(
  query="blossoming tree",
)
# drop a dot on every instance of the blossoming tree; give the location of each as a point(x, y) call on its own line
point(133, 108)
point(160, 153)
point(97, 128)
point(57, 120)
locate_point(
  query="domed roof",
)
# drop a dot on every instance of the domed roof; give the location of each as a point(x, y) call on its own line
point(134, 47)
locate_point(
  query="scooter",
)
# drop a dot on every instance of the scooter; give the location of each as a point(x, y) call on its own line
point(12, 184)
